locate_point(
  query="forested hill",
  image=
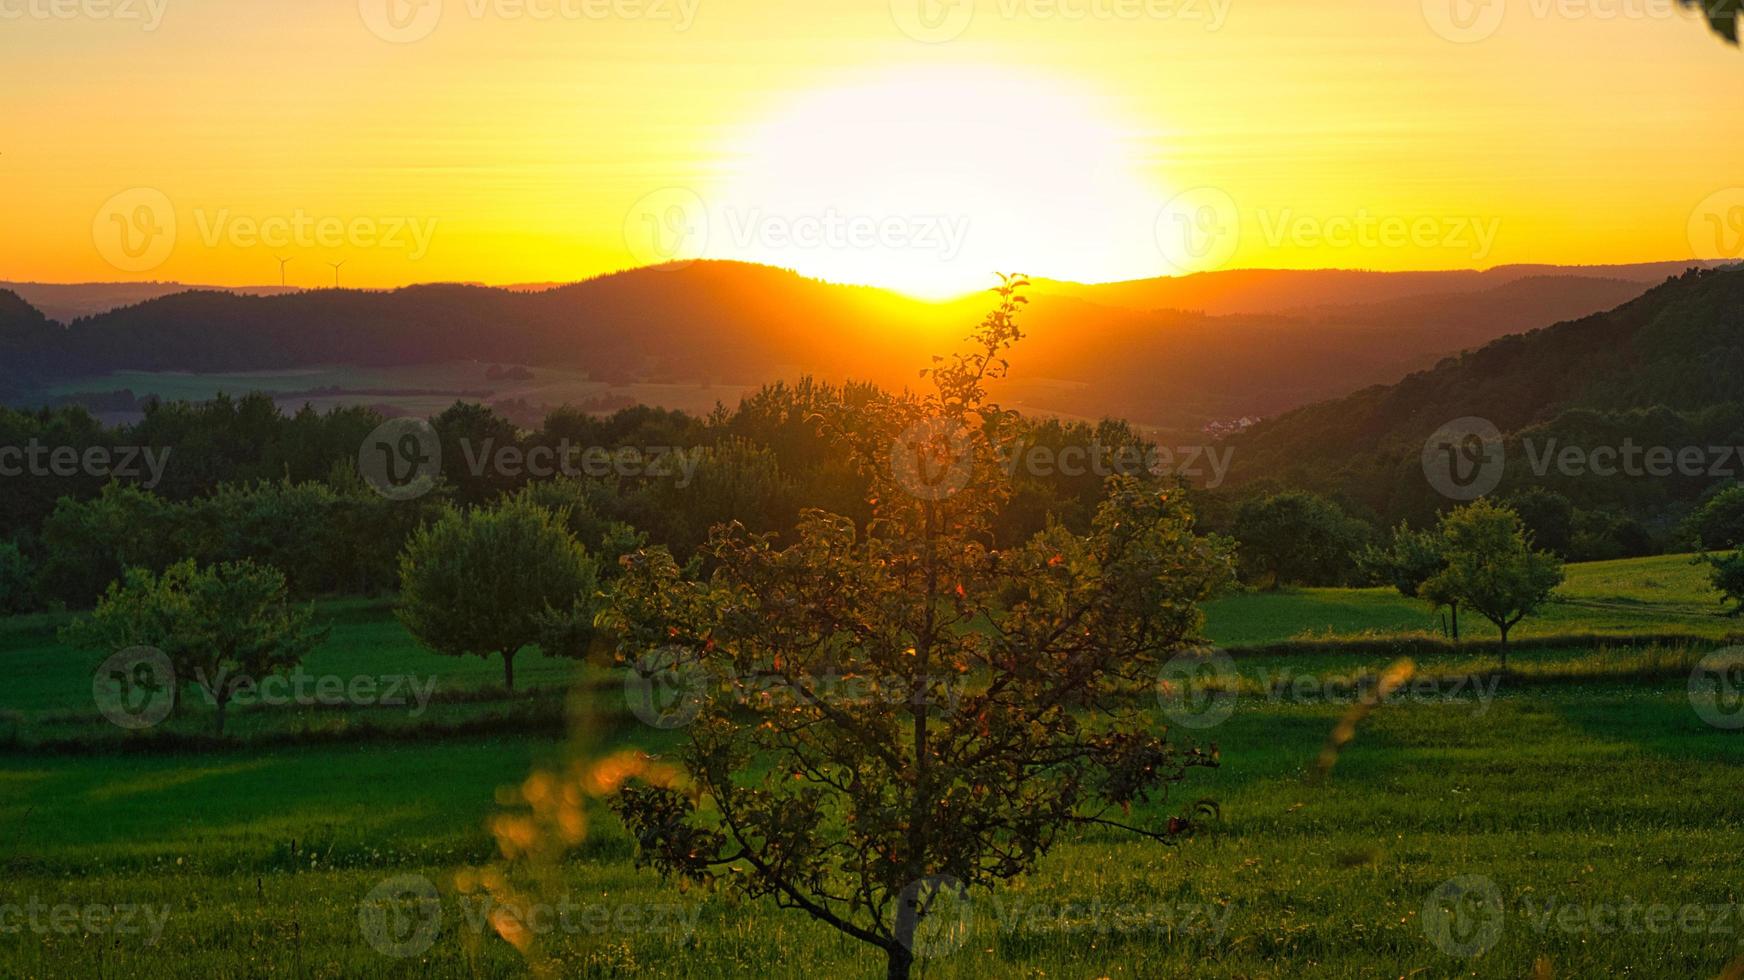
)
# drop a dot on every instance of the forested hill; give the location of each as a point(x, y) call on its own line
point(1666, 369)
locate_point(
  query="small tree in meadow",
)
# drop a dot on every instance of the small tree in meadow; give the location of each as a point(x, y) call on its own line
point(224, 627)
point(1492, 567)
point(1407, 561)
point(1728, 578)
point(892, 715)
point(495, 580)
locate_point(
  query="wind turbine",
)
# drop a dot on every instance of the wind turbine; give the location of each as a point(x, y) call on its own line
point(282, 263)
point(336, 266)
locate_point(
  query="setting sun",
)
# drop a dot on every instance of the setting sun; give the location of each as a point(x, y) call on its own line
point(928, 182)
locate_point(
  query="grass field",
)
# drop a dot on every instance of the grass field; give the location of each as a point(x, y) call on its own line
point(1583, 788)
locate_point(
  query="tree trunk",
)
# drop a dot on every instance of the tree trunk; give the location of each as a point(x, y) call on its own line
point(1505, 627)
point(220, 699)
point(509, 670)
point(901, 959)
point(1455, 608)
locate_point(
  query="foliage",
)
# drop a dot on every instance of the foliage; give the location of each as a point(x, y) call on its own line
point(1296, 538)
point(1720, 521)
point(1492, 567)
point(226, 627)
point(17, 581)
point(1408, 560)
point(485, 581)
point(965, 752)
point(1728, 579)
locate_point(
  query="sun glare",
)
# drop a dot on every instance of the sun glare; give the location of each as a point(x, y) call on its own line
point(930, 183)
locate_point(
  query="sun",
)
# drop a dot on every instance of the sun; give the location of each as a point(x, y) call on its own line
point(930, 182)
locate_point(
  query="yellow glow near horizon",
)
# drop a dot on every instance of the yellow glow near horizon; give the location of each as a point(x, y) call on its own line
point(1076, 140)
point(929, 182)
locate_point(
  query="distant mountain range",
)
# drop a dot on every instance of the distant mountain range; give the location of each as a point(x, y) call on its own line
point(1173, 354)
point(1663, 370)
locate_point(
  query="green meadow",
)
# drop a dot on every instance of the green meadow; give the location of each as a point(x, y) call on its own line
point(1588, 805)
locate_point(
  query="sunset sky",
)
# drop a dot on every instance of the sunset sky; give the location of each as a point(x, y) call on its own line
point(1083, 139)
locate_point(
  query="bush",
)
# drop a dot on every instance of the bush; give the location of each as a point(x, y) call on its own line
point(17, 590)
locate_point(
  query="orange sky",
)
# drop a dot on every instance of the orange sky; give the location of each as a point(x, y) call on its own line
point(918, 144)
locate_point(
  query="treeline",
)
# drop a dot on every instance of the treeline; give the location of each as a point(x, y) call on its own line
point(237, 479)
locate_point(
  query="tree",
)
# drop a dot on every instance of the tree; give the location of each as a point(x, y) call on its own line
point(1297, 538)
point(1720, 522)
point(1728, 578)
point(892, 715)
point(17, 581)
point(1722, 15)
point(1492, 567)
point(1409, 560)
point(1548, 516)
point(226, 626)
point(494, 580)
